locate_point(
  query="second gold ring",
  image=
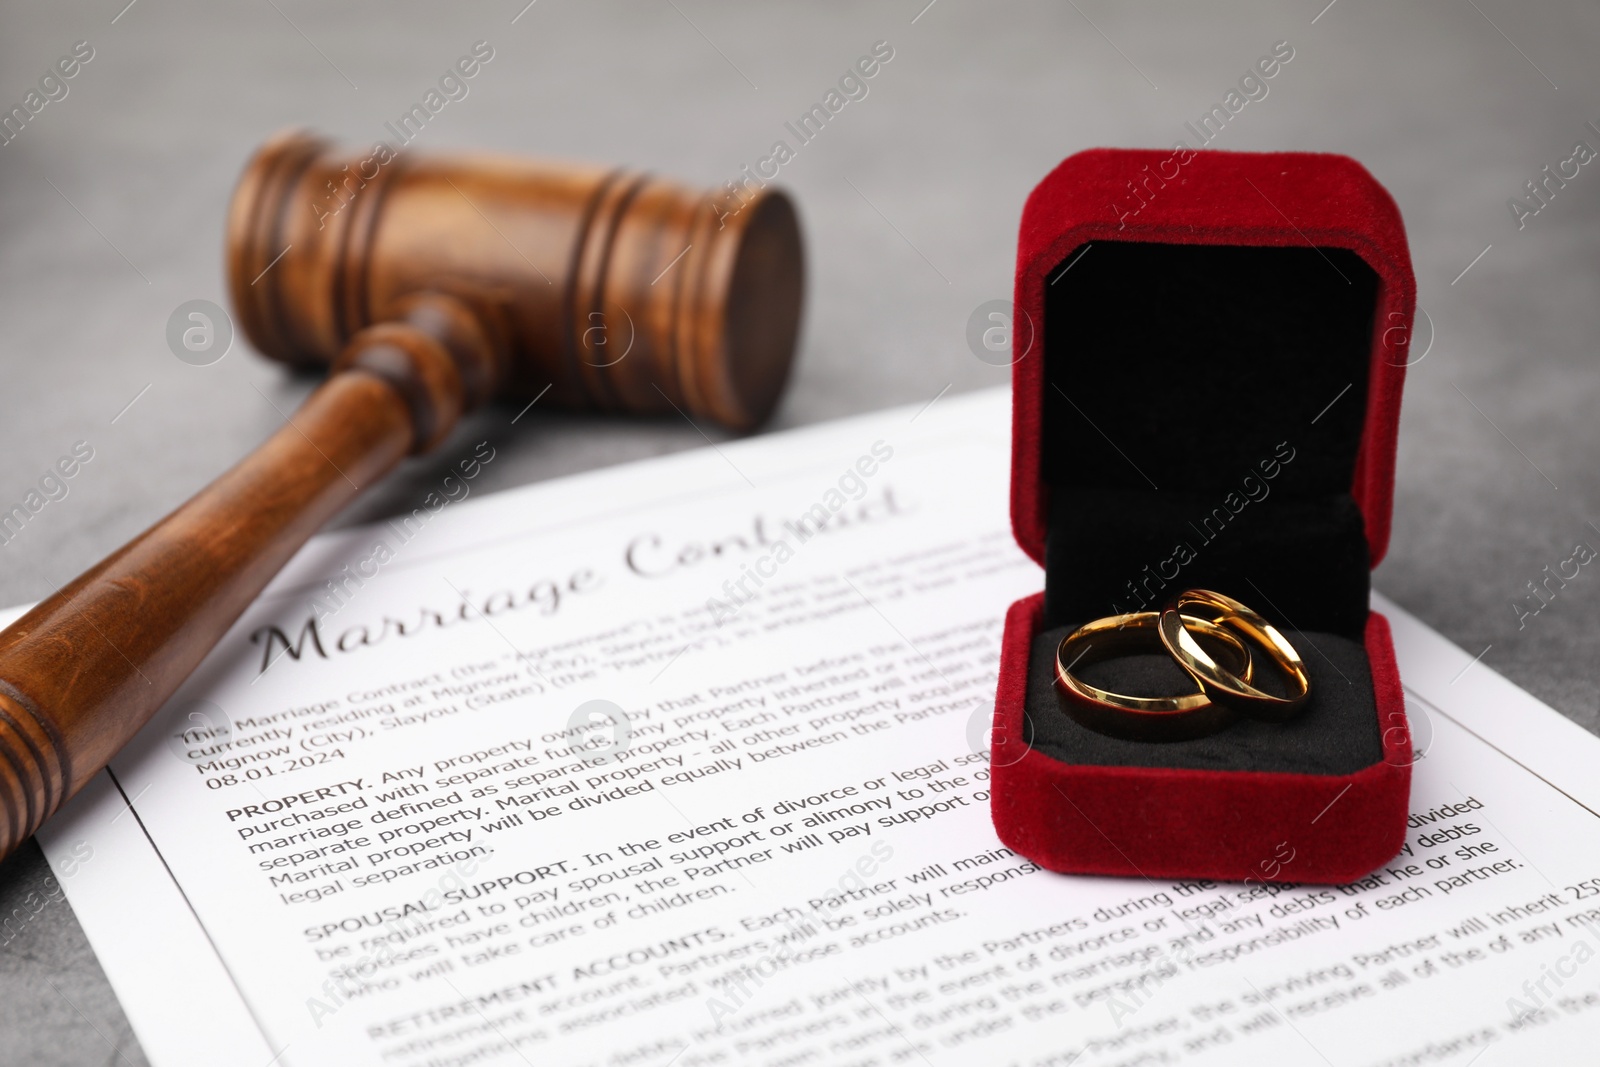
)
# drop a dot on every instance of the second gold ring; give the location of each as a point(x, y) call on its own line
point(1223, 685)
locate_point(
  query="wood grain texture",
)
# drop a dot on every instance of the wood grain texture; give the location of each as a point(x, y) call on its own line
point(618, 290)
point(89, 665)
point(429, 288)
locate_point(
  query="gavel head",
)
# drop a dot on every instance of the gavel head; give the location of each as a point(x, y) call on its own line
point(614, 289)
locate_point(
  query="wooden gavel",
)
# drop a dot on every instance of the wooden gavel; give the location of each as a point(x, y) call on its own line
point(430, 285)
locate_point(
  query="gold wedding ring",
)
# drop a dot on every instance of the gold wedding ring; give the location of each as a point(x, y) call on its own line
point(1146, 718)
point(1221, 683)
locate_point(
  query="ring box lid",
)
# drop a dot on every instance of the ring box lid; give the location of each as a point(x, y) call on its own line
point(1232, 201)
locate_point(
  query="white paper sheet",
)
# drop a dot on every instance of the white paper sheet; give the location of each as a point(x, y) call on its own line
point(785, 856)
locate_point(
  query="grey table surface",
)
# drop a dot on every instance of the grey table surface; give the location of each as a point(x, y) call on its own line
point(112, 201)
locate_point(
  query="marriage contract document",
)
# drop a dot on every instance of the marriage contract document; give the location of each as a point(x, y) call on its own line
point(686, 762)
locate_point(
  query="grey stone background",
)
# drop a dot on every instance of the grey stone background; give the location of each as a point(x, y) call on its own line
point(112, 203)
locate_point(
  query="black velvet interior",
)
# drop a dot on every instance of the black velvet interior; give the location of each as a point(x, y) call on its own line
point(1187, 402)
point(1336, 733)
point(1300, 562)
point(1202, 412)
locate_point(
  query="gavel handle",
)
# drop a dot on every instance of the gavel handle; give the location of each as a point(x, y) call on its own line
point(88, 666)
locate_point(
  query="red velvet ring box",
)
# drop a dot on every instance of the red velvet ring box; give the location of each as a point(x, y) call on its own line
point(1210, 399)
